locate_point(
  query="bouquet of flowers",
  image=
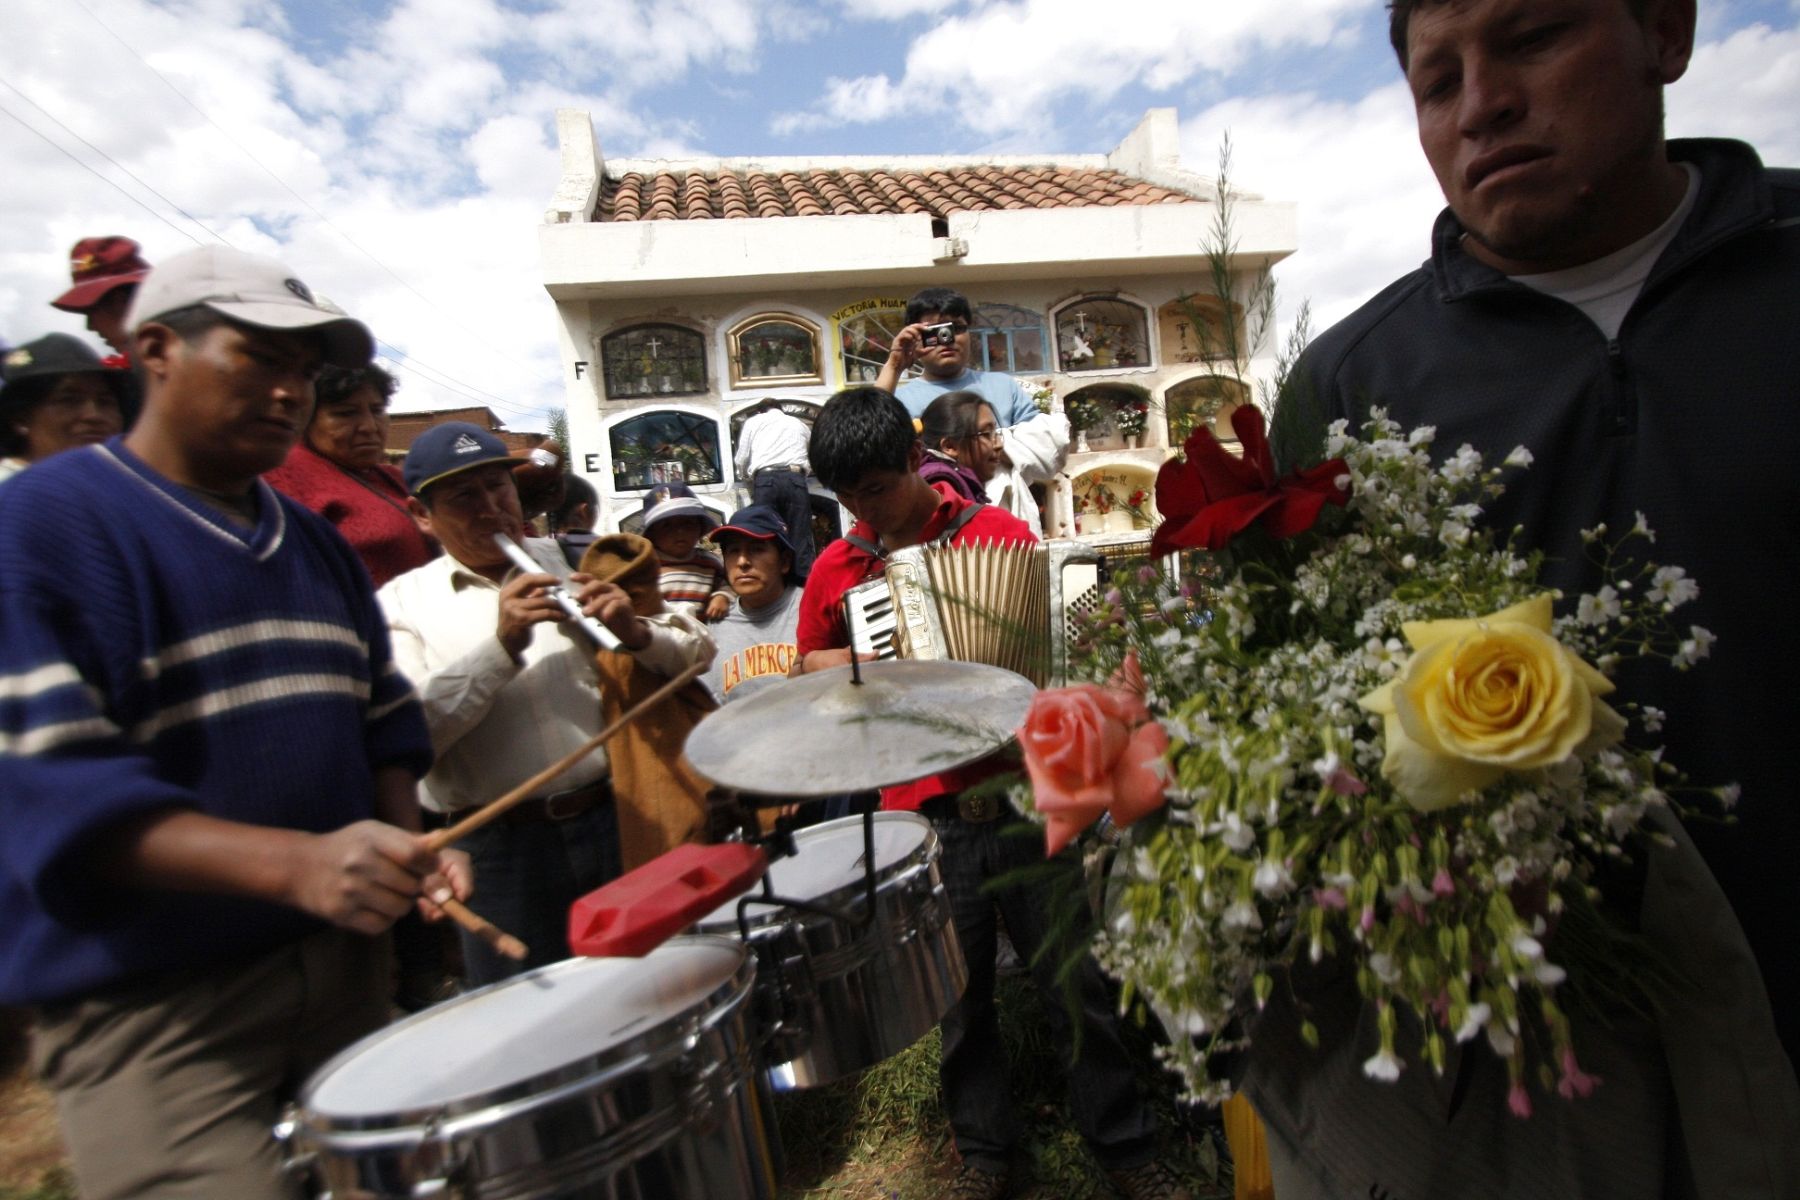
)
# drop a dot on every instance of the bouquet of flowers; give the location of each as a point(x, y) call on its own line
point(1366, 735)
point(1043, 395)
point(1083, 412)
point(1129, 417)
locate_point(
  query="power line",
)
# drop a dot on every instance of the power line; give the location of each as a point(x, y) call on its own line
point(226, 134)
point(435, 375)
point(115, 162)
point(89, 167)
point(422, 368)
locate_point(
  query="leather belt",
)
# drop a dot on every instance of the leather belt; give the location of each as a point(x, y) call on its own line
point(561, 806)
point(795, 468)
point(976, 810)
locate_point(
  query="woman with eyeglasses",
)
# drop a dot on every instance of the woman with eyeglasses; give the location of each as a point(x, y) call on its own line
point(961, 439)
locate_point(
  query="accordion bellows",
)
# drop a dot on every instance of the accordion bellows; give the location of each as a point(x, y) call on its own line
point(968, 603)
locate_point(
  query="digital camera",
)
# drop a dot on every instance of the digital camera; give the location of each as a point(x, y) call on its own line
point(937, 335)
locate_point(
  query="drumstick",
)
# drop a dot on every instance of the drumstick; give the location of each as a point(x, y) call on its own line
point(488, 812)
point(502, 941)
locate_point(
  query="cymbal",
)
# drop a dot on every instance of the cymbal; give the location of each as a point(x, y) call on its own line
point(822, 733)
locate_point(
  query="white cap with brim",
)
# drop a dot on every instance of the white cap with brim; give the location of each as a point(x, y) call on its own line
point(253, 290)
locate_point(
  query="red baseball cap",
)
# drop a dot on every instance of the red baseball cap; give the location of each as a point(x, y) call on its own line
point(98, 265)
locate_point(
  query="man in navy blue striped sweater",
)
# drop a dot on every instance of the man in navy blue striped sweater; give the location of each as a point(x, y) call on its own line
point(207, 759)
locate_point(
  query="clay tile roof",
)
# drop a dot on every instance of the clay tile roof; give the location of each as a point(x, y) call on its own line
point(817, 191)
point(624, 200)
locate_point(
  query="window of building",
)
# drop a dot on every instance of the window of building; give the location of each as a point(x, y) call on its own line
point(1100, 333)
point(1007, 338)
point(664, 446)
point(774, 348)
point(1206, 400)
point(1193, 329)
point(653, 360)
point(865, 334)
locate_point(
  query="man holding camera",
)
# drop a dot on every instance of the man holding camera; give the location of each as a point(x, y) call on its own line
point(937, 339)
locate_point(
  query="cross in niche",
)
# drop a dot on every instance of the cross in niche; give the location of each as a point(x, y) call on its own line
point(1181, 329)
point(652, 345)
point(1081, 321)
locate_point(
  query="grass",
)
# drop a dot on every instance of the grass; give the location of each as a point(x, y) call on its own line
point(56, 1184)
point(883, 1133)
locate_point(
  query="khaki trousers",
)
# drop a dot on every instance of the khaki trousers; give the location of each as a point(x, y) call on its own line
point(169, 1087)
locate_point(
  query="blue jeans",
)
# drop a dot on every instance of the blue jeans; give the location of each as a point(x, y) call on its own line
point(785, 492)
point(527, 874)
point(1104, 1098)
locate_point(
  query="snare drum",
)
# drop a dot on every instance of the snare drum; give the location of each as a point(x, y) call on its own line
point(833, 998)
point(612, 1079)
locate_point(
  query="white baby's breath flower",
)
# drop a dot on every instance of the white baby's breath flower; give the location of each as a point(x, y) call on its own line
point(1653, 719)
point(1695, 647)
point(1473, 1022)
point(1642, 526)
point(1384, 1065)
point(1598, 608)
point(1272, 880)
point(1236, 835)
point(1242, 915)
point(1671, 587)
point(1384, 967)
point(1730, 794)
point(1520, 457)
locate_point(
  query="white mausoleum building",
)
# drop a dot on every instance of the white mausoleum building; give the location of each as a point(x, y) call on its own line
point(688, 291)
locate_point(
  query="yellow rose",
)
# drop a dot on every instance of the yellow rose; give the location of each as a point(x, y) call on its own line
point(1482, 697)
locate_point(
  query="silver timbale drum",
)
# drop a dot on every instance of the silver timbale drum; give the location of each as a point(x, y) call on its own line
point(605, 1078)
point(837, 995)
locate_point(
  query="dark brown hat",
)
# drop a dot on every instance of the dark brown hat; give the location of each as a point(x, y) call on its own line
point(629, 561)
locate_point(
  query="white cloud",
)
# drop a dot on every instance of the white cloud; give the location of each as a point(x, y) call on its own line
point(1001, 66)
point(1745, 86)
point(1366, 198)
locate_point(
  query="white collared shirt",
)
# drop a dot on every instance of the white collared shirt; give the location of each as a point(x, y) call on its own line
point(496, 722)
point(771, 439)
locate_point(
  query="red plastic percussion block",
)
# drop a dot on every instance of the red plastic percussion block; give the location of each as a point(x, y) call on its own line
point(641, 909)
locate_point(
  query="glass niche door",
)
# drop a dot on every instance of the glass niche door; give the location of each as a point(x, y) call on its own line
point(664, 446)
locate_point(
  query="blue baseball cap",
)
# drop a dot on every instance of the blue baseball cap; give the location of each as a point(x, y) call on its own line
point(757, 521)
point(455, 446)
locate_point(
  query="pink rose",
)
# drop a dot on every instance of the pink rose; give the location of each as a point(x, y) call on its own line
point(1089, 749)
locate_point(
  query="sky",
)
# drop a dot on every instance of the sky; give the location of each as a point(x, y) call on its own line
point(399, 156)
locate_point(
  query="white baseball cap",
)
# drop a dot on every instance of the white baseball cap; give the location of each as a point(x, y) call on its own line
point(253, 290)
